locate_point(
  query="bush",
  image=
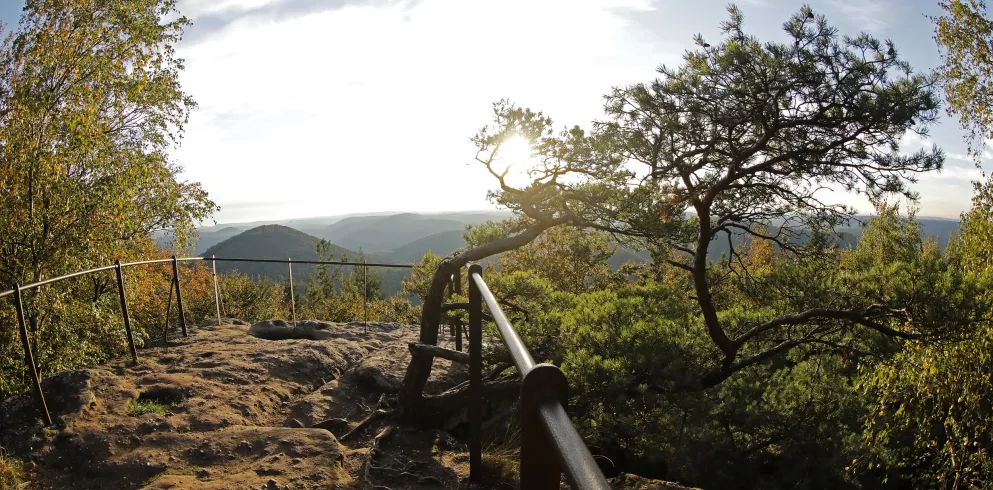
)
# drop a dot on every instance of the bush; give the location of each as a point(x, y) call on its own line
point(253, 299)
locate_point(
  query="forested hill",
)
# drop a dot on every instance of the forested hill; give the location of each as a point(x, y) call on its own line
point(404, 238)
point(281, 242)
point(940, 229)
point(372, 232)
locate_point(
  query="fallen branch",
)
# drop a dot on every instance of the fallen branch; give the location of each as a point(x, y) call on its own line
point(378, 414)
point(433, 350)
point(459, 396)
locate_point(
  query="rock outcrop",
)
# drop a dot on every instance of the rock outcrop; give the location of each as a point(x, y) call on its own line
point(270, 406)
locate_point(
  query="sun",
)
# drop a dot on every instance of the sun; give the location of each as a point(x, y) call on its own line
point(515, 150)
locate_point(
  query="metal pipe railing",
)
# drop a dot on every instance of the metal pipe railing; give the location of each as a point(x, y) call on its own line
point(119, 267)
point(550, 444)
point(195, 259)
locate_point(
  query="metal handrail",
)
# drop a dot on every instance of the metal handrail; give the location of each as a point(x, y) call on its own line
point(194, 259)
point(57, 279)
point(546, 429)
point(174, 283)
point(518, 352)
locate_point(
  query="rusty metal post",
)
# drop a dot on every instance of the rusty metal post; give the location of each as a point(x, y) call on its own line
point(217, 291)
point(179, 296)
point(124, 310)
point(475, 375)
point(540, 467)
point(293, 299)
point(29, 357)
point(165, 329)
point(365, 295)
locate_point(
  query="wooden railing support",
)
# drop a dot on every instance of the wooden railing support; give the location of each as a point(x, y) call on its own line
point(540, 468)
point(475, 376)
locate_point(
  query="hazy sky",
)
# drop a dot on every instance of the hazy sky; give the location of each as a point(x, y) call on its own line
point(320, 107)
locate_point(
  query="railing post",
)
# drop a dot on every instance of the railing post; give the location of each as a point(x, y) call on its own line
point(165, 329)
point(29, 357)
point(365, 294)
point(124, 310)
point(457, 281)
point(475, 375)
point(293, 299)
point(458, 334)
point(540, 467)
point(179, 296)
point(217, 291)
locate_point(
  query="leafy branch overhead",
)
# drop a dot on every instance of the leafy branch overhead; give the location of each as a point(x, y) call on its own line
point(744, 138)
point(91, 105)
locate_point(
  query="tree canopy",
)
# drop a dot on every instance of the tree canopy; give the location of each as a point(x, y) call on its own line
point(744, 138)
point(90, 104)
point(964, 33)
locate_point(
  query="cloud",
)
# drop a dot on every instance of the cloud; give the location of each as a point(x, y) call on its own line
point(913, 141)
point(245, 205)
point(870, 15)
point(210, 20)
point(368, 106)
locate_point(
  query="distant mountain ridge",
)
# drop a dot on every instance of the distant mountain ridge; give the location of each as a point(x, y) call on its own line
point(405, 237)
point(442, 243)
point(282, 242)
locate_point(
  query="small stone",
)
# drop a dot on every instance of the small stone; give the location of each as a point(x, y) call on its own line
point(203, 474)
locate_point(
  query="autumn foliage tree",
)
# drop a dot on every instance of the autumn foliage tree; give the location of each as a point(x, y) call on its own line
point(90, 105)
point(929, 425)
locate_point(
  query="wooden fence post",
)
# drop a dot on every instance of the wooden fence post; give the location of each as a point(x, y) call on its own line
point(475, 375)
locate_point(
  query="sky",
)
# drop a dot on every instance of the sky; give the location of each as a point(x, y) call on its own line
point(327, 107)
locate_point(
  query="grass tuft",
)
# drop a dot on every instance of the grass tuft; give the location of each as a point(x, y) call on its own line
point(12, 473)
point(141, 407)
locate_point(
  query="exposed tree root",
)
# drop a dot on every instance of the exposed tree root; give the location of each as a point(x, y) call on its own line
point(369, 463)
point(406, 471)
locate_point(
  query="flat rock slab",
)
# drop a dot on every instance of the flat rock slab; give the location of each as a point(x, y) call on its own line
point(224, 399)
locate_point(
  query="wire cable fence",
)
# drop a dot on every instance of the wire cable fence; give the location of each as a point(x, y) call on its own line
point(550, 445)
point(16, 295)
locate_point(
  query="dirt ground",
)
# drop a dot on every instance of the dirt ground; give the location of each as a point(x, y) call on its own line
point(240, 412)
